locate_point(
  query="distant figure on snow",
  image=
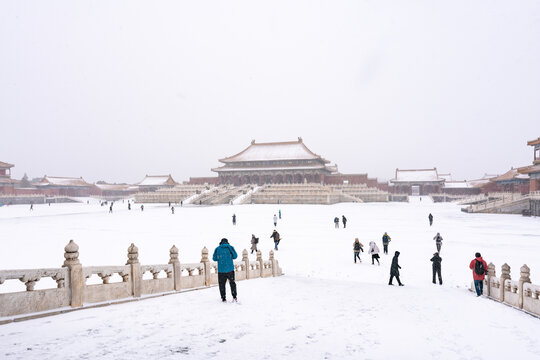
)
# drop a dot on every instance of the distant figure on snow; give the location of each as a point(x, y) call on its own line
point(181, 203)
point(385, 240)
point(275, 220)
point(479, 269)
point(31, 207)
point(142, 207)
point(172, 210)
point(279, 213)
point(110, 209)
point(394, 270)
point(169, 204)
point(224, 254)
point(254, 242)
point(277, 239)
point(374, 251)
point(438, 241)
point(129, 205)
point(344, 219)
point(430, 217)
point(336, 222)
point(234, 219)
point(436, 264)
point(357, 247)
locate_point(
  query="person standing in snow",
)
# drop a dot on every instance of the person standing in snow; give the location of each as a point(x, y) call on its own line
point(172, 209)
point(234, 219)
point(279, 213)
point(110, 208)
point(394, 269)
point(224, 254)
point(430, 217)
point(344, 219)
point(31, 206)
point(357, 247)
point(142, 207)
point(438, 241)
point(336, 222)
point(254, 242)
point(436, 264)
point(129, 205)
point(275, 220)
point(277, 239)
point(479, 270)
point(385, 240)
point(374, 251)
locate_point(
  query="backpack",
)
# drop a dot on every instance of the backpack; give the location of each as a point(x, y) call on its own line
point(479, 268)
point(256, 240)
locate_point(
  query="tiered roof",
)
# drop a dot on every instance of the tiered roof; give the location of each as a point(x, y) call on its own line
point(62, 181)
point(417, 175)
point(157, 180)
point(510, 175)
point(4, 165)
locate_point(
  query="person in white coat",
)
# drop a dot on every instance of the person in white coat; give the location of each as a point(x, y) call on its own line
point(374, 251)
point(275, 220)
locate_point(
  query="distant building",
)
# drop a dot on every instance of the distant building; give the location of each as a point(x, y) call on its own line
point(64, 186)
point(512, 181)
point(417, 182)
point(155, 182)
point(533, 171)
point(113, 190)
point(6, 182)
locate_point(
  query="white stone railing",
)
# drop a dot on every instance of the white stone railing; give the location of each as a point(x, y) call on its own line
point(520, 293)
point(73, 291)
point(535, 195)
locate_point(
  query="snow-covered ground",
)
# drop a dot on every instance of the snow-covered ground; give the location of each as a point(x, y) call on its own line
point(325, 306)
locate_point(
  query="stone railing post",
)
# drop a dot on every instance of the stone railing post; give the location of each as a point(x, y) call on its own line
point(261, 263)
point(76, 279)
point(177, 269)
point(245, 259)
point(206, 263)
point(274, 264)
point(490, 275)
point(136, 276)
point(525, 277)
point(505, 270)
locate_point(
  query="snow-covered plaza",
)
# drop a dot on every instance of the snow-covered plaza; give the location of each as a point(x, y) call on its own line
point(325, 306)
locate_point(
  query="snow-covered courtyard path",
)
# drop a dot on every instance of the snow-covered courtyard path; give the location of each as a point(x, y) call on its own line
point(324, 307)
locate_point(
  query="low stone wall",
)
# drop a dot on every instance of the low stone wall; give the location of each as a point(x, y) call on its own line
point(73, 291)
point(520, 293)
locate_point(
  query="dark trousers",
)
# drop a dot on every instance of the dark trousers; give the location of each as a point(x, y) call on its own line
point(373, 258)
point(438, 247)
point(357, 255)
point(385, 246)
point(222, 279)
point(392, 278)
point(437, 271)
point(479, 286)
point(344, 225)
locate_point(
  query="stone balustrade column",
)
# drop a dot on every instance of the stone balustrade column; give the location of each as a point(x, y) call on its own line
point(136, 276)
point(505, 270)
point(261, 263)
point(525, 277)
point(245, 259)
point(75, 274)
point(206, 263)
point(177, 269)
point(490, 275)
point(274, 263)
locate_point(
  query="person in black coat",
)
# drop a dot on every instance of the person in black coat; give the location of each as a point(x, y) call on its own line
point(436, 259)
point(344, 220)
point(430, 217)
point(394, 270)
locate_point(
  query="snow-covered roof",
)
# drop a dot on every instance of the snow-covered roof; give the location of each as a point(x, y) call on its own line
point(292, 150)
point(157, 180)
point(531, 169)
point(113, 187)
point(446, 177)
point(62, 181)
point(417, 175)
point(275, 168)
point(4, 165)
point(457, 184)
point(534, 142)
point(511, 175)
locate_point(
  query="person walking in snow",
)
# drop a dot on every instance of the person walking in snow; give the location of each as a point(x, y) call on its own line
point(110, 208)
point(234, 219)
point(385, 240)
point(275, 220)
point(142, 207)
point(394, 269)
point(438, 241)
point(277, 239)
point(224, 254)
point(374, 251)
point(129, 205)
point(279, 213)
point(336, 222)
point(172, 210)
point(430, 217)
point(357, 247)
point(436, 264)
point(479, 270)
point(344, 219)
point(31, 206)
point(254, 242)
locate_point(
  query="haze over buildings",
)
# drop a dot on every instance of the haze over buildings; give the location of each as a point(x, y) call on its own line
point(114, 91)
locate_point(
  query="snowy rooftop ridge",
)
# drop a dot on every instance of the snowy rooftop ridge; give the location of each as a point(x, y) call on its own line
point(62, 181)
point(417, 175)
point(510, 175)
point(155, 180)
point(5, 165)
point(287, 150)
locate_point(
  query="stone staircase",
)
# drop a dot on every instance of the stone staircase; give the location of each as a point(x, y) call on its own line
point(298, 194)
point(174, 195)
point(514, 204)
point(362, 193)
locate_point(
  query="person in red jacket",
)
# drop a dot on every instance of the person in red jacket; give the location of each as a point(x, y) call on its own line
point(479, 270)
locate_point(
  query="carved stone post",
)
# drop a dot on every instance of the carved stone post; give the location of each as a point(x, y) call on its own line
point(490, 275)
point(245, 259)
point(525, 277)
point(505, 269)
point(261, 263)
point(177, 269)
point(136, 276)
point(75, 273)
point(273, 262)
point(206, 263)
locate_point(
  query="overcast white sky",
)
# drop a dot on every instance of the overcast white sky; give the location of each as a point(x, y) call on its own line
point(114, 90)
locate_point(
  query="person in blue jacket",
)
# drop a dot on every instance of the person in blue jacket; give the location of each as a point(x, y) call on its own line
point(224, 255)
